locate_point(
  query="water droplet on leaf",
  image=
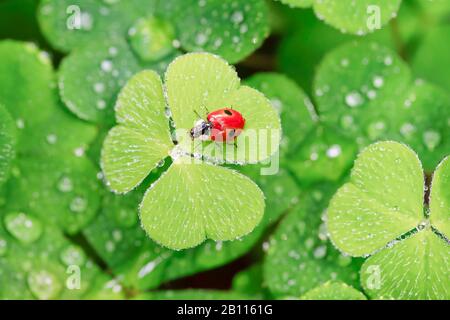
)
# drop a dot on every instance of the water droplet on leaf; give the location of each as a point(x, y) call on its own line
point(43, 284)
point(23, 227)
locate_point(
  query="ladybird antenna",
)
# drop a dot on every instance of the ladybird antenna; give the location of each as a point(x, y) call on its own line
point(198, 115)
point(207, 111)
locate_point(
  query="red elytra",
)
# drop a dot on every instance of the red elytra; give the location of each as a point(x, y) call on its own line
point(226, 124)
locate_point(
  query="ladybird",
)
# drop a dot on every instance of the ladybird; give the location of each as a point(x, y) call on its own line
point(222, 125)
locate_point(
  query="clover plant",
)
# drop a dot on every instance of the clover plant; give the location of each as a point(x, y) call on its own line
point(105, 195)
point(205, 203)
point(405, 235)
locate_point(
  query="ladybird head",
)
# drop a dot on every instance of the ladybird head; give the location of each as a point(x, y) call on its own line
point(200, 130)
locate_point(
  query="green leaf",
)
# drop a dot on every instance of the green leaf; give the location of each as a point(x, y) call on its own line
point(249, 281)
point(415, 268)
point(199, 82)
point(300, 257)
point(356, 83)
point(422, 122)
point(382, 201)
point(280, 190)
point(434, 69)
point(440, 198)
point(26, 76)
point(356, 17)
point(297, 113)
point(309, 40)
point(231, 30)
point(44, 266)
point(90, 78)
point(333, 291)
point(230, 207)
point(382, 207)
point(324, 155)
point(367, 93)
point(152, 39)
point(28, 92)
point(51, 143)
point(7, 143)
point(142, 264)
point(63, 191)
point(70, 24)
point(142, 139)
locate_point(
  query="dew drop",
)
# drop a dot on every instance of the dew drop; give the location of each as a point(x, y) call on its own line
point(73, 255)
point(106, 65)
point(110, 246)
point(201, 39)
point(65, 184)
point(86, 21)
point(79, 152)
point(237, 17)
point(113, 51)
point(99, 87)
point(117, 235)
point(431, 139)
point(388, 60)
point(407, 130)
point(20, 123)
point(25, 228)
point(334, 151)
point(43, 284)
point(378, 82)
point(78, 205)
point(309, 243)
point(354, 99)
point(320, 252)
point(52, 138)
point(101, 104)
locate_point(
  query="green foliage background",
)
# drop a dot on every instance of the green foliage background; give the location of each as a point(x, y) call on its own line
point(336, 86)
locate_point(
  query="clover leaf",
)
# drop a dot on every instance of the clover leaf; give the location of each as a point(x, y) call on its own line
point(69, 24)
point(142, 139)
point(355, 17)
point(109, 42)
point(199, 83)
point(250, 281)
point(364, 93)
point(142, 264)
point(7, 142)
point(431, 69)
point(334, 291)
point(37, 262)
point(383, 208)
point(90, 77)
point(232, 30)
point(300, 257)
point(51, 177)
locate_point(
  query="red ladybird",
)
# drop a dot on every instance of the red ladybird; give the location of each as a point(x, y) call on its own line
point(223, 125)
